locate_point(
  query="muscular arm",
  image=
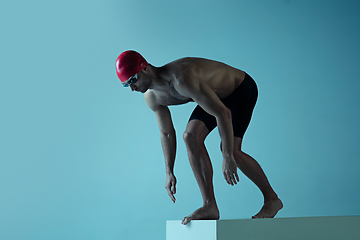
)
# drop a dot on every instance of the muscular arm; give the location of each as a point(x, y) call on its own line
point(168, 141)
point(202, 94)
point(167, 136)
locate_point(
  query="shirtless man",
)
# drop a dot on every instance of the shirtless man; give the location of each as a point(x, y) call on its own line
point(226, 97)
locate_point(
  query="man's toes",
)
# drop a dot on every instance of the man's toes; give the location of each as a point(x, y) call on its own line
point(186, 220)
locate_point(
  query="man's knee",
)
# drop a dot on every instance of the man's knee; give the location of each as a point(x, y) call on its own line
point(195, 133)
point(190, 138)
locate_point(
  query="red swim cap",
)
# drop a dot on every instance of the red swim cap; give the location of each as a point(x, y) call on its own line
point(128, 64)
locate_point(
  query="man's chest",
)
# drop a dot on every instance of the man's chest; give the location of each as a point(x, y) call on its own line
point(170, 97)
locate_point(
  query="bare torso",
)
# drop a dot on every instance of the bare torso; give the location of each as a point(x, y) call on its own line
point(221, 78)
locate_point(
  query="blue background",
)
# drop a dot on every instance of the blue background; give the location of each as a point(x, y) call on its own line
point(81, 155)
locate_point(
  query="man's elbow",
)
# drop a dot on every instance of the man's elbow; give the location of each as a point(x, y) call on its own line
point(168, 133)
point(224, 114)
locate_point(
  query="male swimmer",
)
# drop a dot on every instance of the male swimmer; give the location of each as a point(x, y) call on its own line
point(226, 97)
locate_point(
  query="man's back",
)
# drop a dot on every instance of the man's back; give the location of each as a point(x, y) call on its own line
point(221, 78)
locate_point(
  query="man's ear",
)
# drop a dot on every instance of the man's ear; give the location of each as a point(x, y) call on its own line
point(142, 64)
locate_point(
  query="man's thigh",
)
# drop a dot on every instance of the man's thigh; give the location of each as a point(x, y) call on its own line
point(206, 119)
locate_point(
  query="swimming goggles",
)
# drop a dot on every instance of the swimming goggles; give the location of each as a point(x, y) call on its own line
point(130, 81)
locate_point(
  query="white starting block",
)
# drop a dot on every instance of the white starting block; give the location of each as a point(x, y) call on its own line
point(301, 228)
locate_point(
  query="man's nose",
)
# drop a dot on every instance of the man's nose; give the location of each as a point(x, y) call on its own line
point(132, 87)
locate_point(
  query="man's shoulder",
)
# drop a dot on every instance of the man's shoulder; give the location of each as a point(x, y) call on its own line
point(150, 96)
point(151, 99)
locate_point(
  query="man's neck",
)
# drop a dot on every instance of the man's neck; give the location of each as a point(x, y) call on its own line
point(160, 77)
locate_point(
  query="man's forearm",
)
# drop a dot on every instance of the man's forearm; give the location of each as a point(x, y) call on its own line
point(224, 123)
point(168, 143)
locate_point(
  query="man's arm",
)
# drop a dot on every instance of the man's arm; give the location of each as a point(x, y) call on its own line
point(168, 141)
point(203, 95)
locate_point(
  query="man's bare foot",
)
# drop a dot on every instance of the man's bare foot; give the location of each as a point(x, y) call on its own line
point(270, 209)
point(210, 212)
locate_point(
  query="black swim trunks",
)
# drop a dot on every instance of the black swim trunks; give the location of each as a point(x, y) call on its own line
point(241, 104)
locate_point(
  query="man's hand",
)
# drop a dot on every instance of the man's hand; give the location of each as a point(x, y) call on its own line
point(230, 171)
point(170, 186)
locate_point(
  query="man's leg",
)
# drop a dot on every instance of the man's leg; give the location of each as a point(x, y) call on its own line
point(194, 137)
point(250, 167)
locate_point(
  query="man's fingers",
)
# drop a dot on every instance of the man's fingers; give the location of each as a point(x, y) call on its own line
point(231, 178)
point(171, 190)
point(237, 177)
point(228, 181)
point(170, 187)
point(171, 195)
point(226, 178)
